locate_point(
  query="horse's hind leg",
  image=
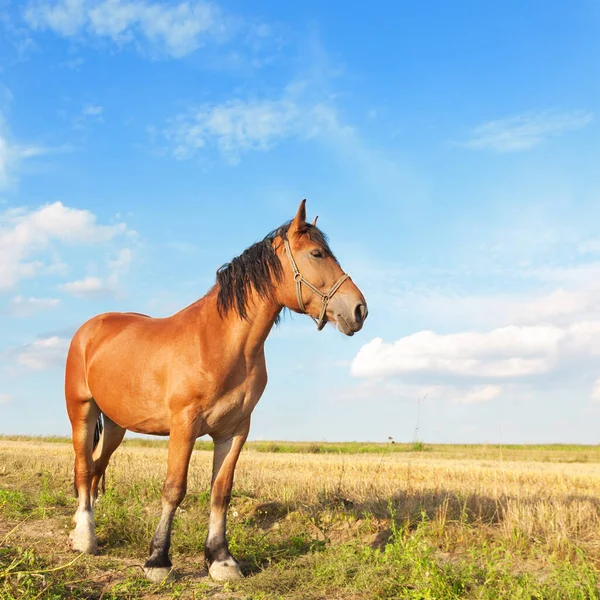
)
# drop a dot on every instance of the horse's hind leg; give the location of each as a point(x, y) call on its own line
point(110, 439)
point(83, 414)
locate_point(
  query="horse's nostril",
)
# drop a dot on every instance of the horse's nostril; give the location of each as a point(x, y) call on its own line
point(360, 312)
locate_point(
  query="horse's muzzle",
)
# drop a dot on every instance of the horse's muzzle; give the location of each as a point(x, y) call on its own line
point(351, 322)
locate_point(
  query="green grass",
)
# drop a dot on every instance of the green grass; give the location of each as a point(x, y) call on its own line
point(324, 547)
point(25, 575)
point(411, 567)
point(414, 564)
point(295, 559)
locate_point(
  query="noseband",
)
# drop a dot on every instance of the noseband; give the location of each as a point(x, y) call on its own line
point(300, 279)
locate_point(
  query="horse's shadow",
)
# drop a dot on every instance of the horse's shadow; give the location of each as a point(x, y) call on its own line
point(406, 511)
point(269, 541)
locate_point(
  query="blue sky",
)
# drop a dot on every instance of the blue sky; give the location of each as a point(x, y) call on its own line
point(451, 152)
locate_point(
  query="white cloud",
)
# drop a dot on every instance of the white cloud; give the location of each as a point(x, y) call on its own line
point(120, 265)
point(5, 399)
point(590, 246)
point(596, 391)
point(392, 390)
point(466, 394)
point(43, 354)
point(507, 353)
point(90, 114)
point(95, 286)
point(73, 63)
point(526, 131)
point(25, 233)
point(478, 394)
point(92, 110)
point(561, 306)
point(557, 304)
point(25, 307)
point(238, 126)
point(12, 156)
point(543, 334)
point(176, 29)
point(89, 286)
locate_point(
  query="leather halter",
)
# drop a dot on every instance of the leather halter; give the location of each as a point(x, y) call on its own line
point(300, 279)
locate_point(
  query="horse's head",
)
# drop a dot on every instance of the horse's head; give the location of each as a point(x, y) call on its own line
point(313, 281)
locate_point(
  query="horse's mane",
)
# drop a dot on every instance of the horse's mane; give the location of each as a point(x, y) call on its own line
point(258, 268)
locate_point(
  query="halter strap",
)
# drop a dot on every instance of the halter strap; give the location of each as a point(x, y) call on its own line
point(300, 279)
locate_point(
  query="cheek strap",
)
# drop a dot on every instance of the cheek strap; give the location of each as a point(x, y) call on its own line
point(300, 280)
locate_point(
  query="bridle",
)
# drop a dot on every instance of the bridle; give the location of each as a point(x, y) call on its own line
point(300, 279)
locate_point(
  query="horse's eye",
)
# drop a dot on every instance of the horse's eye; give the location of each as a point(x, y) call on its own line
point(317, 253)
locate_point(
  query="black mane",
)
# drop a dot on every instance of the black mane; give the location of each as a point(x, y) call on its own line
point(257, 268)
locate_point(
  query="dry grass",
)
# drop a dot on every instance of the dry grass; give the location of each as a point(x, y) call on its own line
point(531, 513)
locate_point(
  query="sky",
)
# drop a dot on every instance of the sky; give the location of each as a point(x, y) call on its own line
point(451, 151)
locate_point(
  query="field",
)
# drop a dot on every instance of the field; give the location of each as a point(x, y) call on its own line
point(348, 521)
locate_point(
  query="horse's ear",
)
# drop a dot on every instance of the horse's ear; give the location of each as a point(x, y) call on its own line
point(300, 218)
point(315, 221)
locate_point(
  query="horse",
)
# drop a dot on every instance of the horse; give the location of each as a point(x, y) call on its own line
point(200, 371)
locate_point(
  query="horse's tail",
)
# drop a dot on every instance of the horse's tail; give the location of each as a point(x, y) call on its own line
point(98, 431)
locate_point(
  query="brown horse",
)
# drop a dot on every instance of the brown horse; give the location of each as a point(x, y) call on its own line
point(200, 371)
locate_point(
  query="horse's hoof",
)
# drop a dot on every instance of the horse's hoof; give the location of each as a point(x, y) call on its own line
point(157, 574)
point(82, 543)
point(227, 570)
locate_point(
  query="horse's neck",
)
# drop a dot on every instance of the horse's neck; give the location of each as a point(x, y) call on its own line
point(242, 336)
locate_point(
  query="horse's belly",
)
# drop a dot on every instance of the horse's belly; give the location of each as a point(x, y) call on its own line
point(142, 418)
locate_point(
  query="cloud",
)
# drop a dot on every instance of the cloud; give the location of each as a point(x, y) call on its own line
point(561, 306)
point(120, 264)
point(90, 114)
point(25, 233)
point(5, 399)
point(26, 307)
point(12, 155)
point(596, 391)
point(478, 394)
point(176, 29)
point(73, 63)
point(241, 125)
point(92, 110)
point(504, 354)
point(532, 337)
point(523, 132)
point(469, 394)
point(44, 354)
point(558, 304)
point(392, 390)
point(90, 287)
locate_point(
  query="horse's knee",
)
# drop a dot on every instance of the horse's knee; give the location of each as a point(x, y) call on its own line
point(173, 493)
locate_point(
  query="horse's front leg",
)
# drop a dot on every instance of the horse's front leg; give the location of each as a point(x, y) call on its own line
point(221, 565)
point(181, 443)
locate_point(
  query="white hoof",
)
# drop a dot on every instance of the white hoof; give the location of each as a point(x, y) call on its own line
point(83, 538)
point(157, 574)
point(83, 543)
point(227, 570)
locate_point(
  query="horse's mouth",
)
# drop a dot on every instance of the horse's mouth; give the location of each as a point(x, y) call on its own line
point(343, 326)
